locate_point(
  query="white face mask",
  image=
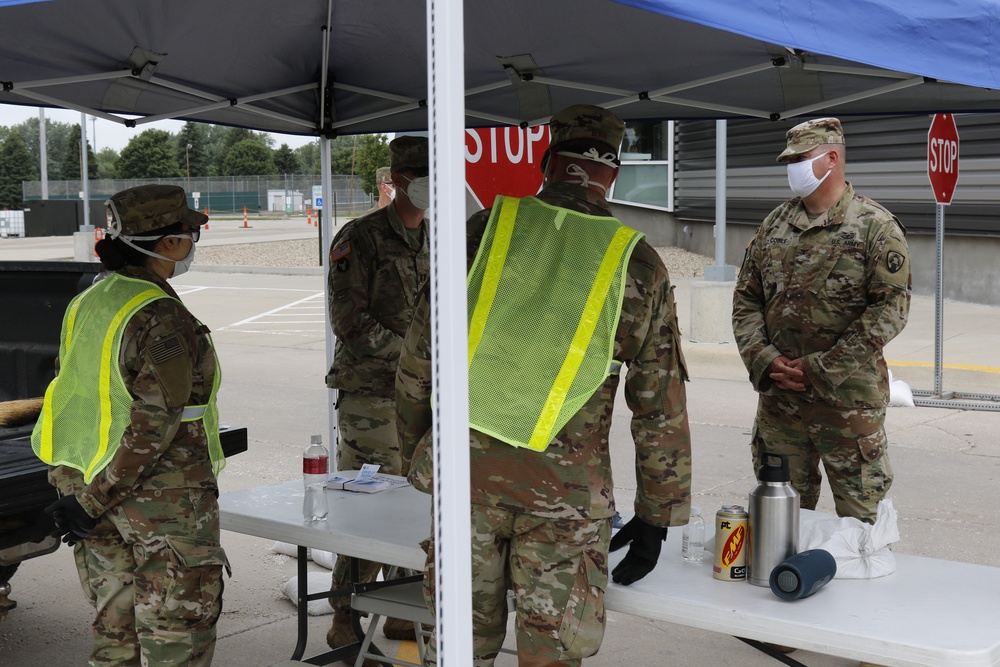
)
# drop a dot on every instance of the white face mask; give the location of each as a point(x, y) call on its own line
point(391, 190)
point(182, 265)
point(801, 178)
point(419, 192)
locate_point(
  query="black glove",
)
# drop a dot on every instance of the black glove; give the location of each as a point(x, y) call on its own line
point(73, 524)
point(644, 542)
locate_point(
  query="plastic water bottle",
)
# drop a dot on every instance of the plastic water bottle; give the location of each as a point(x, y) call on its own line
point(315, 467)
point(693, 541)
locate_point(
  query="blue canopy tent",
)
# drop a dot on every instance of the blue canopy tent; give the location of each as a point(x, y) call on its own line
point(322, 67)
point(950, 41)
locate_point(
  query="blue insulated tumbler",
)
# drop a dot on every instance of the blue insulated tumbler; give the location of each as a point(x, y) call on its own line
point(803, 574)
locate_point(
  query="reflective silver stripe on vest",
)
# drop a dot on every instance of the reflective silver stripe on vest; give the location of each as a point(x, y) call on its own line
point(193, 413)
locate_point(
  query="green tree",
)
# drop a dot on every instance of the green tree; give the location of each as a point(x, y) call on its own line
point(286, 161)
point(150, 154)
point(15, 168)
point(343, 152)
point(195, 136)
point(234, 135)
point(230, 137)
point(107, 163)
point(308, 157)
point(215, 135)
point(70, 166)
point(248, 157)
point(373, 152)
point(56, 137)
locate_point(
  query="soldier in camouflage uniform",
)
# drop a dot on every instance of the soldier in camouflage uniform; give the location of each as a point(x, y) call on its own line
point(824, 285)
point(541, 520)
point(378, 263)
point(386, 190)
point(145, 528)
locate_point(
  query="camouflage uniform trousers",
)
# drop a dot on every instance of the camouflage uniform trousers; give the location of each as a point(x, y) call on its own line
point(558, 571)
point(367, 434)
point(851, 443)
point(152, 568)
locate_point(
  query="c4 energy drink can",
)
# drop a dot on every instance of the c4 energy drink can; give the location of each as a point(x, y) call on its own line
point(730, 544)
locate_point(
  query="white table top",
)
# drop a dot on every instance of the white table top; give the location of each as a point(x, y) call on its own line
point(387, 526)
point(930, 612)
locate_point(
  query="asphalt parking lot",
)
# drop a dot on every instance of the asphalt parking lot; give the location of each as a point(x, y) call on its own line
point(270, 334)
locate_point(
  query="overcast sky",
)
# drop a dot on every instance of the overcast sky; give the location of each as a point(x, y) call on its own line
point(114, 135)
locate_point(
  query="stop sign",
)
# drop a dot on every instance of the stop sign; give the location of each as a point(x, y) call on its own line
point(942, 157)
point(504, 161)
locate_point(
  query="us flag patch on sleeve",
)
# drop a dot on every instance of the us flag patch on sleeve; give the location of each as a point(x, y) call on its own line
point(340, 252)
point(166, 348)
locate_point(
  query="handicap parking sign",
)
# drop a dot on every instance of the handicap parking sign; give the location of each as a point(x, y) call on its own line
point(319, 202)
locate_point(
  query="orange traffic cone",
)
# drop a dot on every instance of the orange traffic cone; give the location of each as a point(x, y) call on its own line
point(206, 215)
point(309, 219)
point(98, 235)
point(246, 224)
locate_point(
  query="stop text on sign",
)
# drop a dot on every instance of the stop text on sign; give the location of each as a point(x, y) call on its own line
point(942, 155)
point(504, 161)
point(517, 145)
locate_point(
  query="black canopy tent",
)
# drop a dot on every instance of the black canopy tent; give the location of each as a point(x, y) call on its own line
point(324, 67)
point(313, 67)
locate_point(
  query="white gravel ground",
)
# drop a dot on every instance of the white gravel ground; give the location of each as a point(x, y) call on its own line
point(303, 253)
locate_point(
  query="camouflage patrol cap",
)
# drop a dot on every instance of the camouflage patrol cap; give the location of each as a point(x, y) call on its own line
point(587, 122)
point(808, 135)
point(382, 174)
point(146, 208)
point(408, 152)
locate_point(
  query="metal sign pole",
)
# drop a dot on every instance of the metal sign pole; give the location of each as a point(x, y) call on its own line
point(939, 301)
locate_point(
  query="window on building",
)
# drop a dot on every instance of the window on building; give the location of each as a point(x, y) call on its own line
point(646, 177)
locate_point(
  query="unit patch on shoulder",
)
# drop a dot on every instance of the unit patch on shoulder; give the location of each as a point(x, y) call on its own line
point(166, 348)
point(340, 252)
point(894, 261)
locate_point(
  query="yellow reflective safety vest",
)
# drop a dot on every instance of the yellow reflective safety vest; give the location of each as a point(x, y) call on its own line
point(544, 297)
point(87, 407)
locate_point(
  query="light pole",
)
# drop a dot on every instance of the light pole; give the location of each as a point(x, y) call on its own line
point(187, 160)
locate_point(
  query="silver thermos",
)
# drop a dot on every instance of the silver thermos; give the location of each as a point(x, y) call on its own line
point(774, 520)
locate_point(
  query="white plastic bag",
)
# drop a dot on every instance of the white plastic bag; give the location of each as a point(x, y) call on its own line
point(323, 558)
point(900, 394)
point(317, 582)
point(287, 549)
point(860, 549)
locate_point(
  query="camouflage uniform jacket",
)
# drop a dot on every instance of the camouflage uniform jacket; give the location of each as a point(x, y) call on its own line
point(572, 478)
point(376, 271)
point(832, 291)
point(158, 451)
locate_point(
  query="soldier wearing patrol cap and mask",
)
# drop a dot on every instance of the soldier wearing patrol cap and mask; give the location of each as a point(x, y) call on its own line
point(377, 265)
point(825, 284)
point(386, 190)
point(581, 300)
point(135, 446)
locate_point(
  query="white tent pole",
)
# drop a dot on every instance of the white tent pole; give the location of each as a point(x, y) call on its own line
point(43, 152)
point(84, 181)
point(719, 271)
point(326, 227)
point(874, 92)
point(720, 192)
point(452, 531)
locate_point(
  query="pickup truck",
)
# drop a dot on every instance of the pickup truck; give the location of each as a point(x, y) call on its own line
point(33, 298)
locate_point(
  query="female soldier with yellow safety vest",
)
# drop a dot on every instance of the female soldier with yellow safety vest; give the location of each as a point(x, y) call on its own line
point(130, 427)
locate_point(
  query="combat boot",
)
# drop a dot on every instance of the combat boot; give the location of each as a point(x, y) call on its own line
point(341, 633)
point(398, 629)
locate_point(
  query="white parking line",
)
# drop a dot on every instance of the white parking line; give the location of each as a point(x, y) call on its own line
point(307, 311)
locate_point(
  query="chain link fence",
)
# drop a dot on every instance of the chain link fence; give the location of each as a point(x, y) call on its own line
point(291, 194)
